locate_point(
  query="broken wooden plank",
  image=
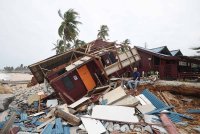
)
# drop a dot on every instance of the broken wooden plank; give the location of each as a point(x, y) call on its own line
point(72, 119)
point(64, 107)
point(145, 108)
point(79, 102)
point(114, 113)
point(45, 123)
point(167, 100)
point(114, 95)
point(141, 100)
point(37, 114)
point(8, 124)
point(127, 100)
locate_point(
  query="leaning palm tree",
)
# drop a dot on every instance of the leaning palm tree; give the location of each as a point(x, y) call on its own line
point(103, 32)
point(59, 46)
point(68, 29)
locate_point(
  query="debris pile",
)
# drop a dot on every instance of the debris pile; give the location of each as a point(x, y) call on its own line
point(107, 109)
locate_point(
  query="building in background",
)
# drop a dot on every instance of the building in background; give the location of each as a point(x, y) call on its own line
point(169, 64)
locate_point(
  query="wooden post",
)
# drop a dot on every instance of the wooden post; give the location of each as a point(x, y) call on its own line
point(118, 58)
point(100, 65)
point(98, 79)
point(8, 124)
point(89, 55)
point(72, 119)
point(39, 103)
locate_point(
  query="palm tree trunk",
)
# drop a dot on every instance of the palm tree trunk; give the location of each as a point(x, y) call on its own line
point(65, 45)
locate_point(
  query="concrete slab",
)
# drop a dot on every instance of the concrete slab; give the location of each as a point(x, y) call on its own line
point(127, 101)
point(145, 108)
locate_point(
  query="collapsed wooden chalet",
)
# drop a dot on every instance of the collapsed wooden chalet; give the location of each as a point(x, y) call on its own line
point(76, 72)
point(170, 64)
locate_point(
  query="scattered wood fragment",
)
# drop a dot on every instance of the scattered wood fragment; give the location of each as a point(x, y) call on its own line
point(8, 124)
point(72, 119)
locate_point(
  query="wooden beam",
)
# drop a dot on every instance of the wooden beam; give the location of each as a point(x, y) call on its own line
point(100, 65)
point(89, 55)
point(8, 124)
point(120, 62)
point(72, 119)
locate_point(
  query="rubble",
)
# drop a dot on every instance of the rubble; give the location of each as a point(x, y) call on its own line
point(123, 112)
point(5, 100)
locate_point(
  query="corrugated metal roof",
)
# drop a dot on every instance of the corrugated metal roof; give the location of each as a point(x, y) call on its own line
point(174, 52)
point(158, 49)
point(153, 51)
point(160, 104)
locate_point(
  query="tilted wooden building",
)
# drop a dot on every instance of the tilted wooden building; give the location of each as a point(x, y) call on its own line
point(74, 73)
point(169, 64)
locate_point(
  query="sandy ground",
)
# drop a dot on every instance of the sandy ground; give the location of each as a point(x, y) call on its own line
point(5, 90)
point(15, 76)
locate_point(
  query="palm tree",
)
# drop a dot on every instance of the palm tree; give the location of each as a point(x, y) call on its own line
point(125, 43)
point(59, 46)
point(103, 32)
point(68, 29)
point(197, 49)
point(78, 43)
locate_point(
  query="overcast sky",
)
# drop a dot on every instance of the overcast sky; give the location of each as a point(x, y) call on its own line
point(29, 27)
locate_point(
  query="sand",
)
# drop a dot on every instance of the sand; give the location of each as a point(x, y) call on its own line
point(15, 76)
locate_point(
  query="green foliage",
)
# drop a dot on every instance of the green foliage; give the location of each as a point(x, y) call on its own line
point(68, 31)
point(125, 43)
point(8, 69)
point(78, 43)
point(68, 28)
point(59, 46)
point(103, 32)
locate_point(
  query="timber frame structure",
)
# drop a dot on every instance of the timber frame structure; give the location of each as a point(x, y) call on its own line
point(74, 73)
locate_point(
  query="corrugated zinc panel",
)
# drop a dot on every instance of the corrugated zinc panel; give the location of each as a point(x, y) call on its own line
point(160, 104)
